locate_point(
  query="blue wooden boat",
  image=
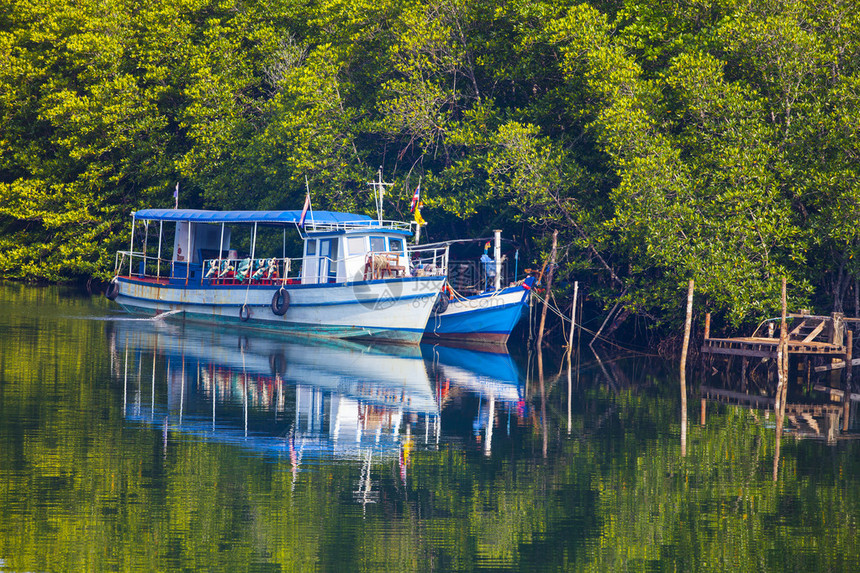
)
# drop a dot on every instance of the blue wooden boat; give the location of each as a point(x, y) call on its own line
point(487, 316)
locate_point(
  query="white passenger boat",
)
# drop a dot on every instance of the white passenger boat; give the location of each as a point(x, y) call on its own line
point(352, 280)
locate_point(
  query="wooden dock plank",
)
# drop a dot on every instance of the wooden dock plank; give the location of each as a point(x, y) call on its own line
point(739, 352)
point(767, 347)
point(796, 330)
point(836, 365)
point(815, 332)
point(834, 393)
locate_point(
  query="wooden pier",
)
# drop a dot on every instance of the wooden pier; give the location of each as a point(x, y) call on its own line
point(825, 340)
point(810, 336)
point(754, 347)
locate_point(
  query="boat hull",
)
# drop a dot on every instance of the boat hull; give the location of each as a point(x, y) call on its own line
point(395, 310)
point(486, 318)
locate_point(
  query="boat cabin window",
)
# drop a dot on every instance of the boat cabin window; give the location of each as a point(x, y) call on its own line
point(356, 245)
point(377, 244)
point(395, 245)
point(311, 247)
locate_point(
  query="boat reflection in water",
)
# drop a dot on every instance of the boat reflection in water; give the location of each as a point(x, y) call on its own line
point(307, 401)
point(331, 398)
point(492, 377)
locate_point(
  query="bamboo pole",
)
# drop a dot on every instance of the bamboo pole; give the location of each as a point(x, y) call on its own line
point(548, 287)
point(497, 259)
point(569, 397)
point(848, 375)
point(782, 359)
point(570, 353)
point(544, 430)
point(572, 322)
point(684, 350)
point(782, 382)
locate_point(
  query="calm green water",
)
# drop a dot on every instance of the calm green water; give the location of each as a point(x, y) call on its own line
point(138, 445)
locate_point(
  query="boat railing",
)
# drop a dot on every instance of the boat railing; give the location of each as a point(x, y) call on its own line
point(430, 261)
point(147, 265)
point(268, 270)
point(475, 276)
point(364, 224)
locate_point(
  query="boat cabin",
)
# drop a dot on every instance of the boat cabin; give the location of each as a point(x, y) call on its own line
point(356, 254)
point(214, 248)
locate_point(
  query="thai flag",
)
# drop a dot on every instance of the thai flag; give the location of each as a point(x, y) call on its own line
point(305, 210)
point(415, 198)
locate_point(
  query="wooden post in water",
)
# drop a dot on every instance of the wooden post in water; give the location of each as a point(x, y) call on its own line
point(782, 379)
point(569, 397)
point(846, 377)
point(570, 352)
point(783, 336)
point(548, 287)
point(710, 356)
point(684, 349)
point(572, 323)
point(540, 339)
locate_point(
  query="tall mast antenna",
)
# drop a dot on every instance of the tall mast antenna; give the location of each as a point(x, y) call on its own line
point(378, 194)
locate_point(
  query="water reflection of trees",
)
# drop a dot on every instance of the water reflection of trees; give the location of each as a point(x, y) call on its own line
point(82, 490)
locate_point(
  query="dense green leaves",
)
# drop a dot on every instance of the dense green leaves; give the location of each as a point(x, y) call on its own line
point(714, 141)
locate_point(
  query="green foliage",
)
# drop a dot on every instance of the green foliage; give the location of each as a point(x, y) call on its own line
point(714, 141)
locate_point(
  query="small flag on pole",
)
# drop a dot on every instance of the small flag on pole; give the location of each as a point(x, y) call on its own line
point(418, 218)
point(415, 198)
point(176, 196)
point(305, 210)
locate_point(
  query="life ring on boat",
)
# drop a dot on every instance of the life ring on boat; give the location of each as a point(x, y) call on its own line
point(441, 304)
point(112, 290)
point(280, 301)
point(244, 313)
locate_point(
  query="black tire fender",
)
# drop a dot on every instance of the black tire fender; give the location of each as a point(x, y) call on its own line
point(441, 304)
point(244, 313)
point(280, 302)
point(112, 290)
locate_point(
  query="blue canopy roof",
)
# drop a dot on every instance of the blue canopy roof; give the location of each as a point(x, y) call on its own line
point(200, 216)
